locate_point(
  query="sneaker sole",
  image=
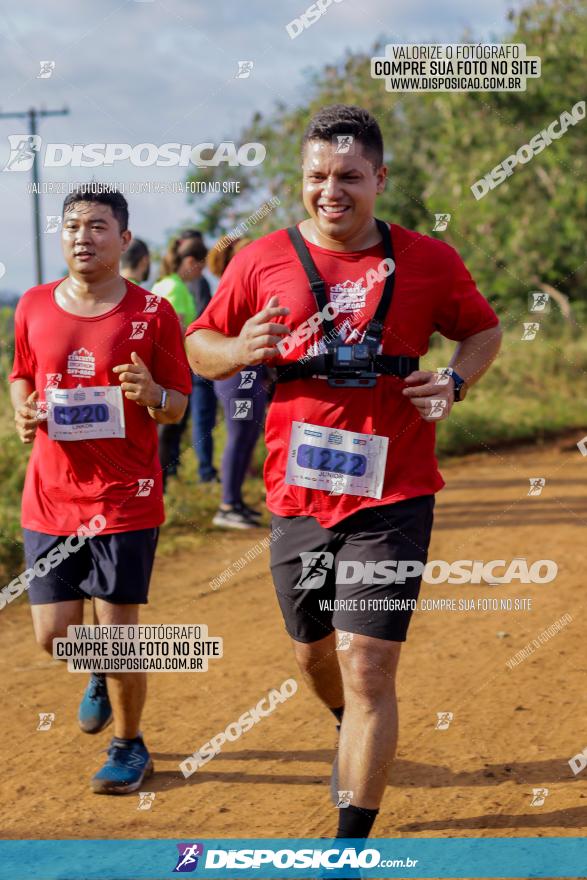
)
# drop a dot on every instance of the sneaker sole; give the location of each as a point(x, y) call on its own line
point(101, 787)
point(223, 524)
point(95, 730)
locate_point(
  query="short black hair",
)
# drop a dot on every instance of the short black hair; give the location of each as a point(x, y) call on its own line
point(102, 194)
point(135, 252)
point(340, 119)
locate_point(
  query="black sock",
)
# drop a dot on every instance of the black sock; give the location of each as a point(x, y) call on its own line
point(338, 713)
point(355, 822)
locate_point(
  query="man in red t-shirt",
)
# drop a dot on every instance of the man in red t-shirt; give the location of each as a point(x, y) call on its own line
point(98, 363)
point(350, 471)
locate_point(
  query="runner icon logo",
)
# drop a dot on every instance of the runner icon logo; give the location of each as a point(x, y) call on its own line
point(241, 409)
point(81, 363)
point(344, 799)
point(539, 795)
point(539, 302)
point(138, 329)
point(22, 151)
point(443, 720)
point(52, 222)
point(437, 408)
point(315, 567)
point(537, 484)
point(343, 640)
point(187, 860)
point(244, 69)
point(146, 799)
point(247, 378)
point(530, 331)
point(46, 719)
point(47, 68)
point(53, 380)
point(441, 222)
point(344, 143)
point(145, 487)
point(151, 302)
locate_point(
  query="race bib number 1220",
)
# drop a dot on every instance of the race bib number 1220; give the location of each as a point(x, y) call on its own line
point(85, 413)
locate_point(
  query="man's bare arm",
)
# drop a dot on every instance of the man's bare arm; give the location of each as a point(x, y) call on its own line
point(215, 356)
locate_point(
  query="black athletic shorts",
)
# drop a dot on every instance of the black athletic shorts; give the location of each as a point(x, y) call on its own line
point(335, 578)
point(116, 568)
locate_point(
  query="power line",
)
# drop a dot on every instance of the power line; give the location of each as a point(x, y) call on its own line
point(27, 148)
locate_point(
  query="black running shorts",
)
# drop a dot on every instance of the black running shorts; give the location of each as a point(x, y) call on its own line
point(116, 567)
point(355, 577)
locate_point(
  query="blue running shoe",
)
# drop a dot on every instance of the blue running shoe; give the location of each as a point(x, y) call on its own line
point(125, 770)
point(95, 711)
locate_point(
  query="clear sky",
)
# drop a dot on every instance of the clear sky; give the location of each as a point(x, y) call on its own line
point(161, 71)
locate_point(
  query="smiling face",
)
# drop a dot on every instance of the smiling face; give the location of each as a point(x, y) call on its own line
point(339, 191)
point(92, 241)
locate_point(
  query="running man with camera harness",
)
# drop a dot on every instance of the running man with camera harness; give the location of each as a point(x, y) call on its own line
point(344, 305)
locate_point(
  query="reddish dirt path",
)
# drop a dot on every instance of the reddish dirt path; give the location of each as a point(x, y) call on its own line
point(513, 730)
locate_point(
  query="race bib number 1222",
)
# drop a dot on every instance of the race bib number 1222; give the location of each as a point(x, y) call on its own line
point(335, 461)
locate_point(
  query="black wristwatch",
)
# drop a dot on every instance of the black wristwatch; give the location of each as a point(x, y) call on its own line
point(460, 384)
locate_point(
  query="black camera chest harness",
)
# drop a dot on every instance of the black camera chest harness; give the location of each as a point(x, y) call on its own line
point(348, 366)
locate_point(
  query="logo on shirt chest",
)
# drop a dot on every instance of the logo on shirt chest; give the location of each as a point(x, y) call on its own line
point(81, 363)
point(349, 296)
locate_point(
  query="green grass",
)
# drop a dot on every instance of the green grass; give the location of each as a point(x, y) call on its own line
point(533, 392)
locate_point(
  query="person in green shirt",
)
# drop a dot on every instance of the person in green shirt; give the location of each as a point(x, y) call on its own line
point(183, 264)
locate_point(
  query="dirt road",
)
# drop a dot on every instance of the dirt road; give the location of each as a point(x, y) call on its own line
point(512, 730)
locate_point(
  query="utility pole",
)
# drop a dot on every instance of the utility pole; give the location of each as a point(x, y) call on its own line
point(33, 115)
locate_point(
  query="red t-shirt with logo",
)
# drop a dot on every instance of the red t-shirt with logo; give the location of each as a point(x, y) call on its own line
point(433, 292)
point(69, 482)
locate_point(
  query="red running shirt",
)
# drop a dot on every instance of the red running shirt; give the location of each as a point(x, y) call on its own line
point(433, 292)
point(67, 483)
